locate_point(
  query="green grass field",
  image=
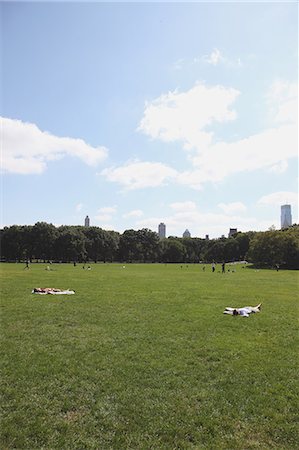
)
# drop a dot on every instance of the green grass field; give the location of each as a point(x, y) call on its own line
point(142, 357)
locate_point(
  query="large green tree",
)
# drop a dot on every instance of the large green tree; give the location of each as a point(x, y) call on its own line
point(231, 250)
point(70, 244)
point(12, 244)
point(215, 251)
point(43, 236)
point(111, 246)
point(95, 243)
point(243, 240)
point(194, 248)
point(101, 245)
point(290, 247)
point(173, 250)
point(129, 247)
point(275, 247)
point(148, 245)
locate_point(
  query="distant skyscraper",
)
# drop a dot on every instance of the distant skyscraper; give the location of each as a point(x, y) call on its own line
point(186, 234)
point(232, 231)
point(162, 230)
point(87, 221)
point(286, 216)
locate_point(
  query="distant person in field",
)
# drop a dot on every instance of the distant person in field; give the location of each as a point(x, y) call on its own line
point(213, 267)
point(245, 311)
point(27, 265)
point(223, 267)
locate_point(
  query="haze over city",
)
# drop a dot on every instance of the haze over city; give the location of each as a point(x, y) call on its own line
point(141, 113)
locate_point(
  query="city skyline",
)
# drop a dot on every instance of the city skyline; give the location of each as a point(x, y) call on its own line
point(145, 113)
point(285, 222)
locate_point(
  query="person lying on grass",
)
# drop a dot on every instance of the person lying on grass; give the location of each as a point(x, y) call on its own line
point(46, 290)
point(51, 291)
point(245, 311)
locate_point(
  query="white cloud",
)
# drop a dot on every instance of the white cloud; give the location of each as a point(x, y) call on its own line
point(105, 214)
point(234, 207)
point(264, 150)
point(184, 116)
point(134, 213)
point(27, 149)
point(79, 207)
point(192, 178)
point(108, 209)
point(280, 167)
point(216, 57)
point(279, 198)
point(282, 99)
point(139, 175)
point(282, 90)
point(178, 65)
point(183, 206)
point(102, 217)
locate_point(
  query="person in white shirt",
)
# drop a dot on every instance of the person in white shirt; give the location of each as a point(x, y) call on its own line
point(245, 311)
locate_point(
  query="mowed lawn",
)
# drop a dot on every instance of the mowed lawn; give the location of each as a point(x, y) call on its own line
point(142, 357)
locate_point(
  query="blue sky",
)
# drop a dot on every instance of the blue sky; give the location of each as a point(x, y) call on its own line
point(141, 113)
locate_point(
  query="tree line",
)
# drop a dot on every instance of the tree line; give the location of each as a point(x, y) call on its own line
point(45, 242)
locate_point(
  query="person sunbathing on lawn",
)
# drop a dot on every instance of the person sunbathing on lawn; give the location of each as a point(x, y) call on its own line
point(245, 311)
point(51, 291)
point(46, 290)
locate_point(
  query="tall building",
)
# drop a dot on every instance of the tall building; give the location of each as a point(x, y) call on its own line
point(162, 230)
point(286, 216)
point(87, 221)
point(186, 234)
point(232, 231)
